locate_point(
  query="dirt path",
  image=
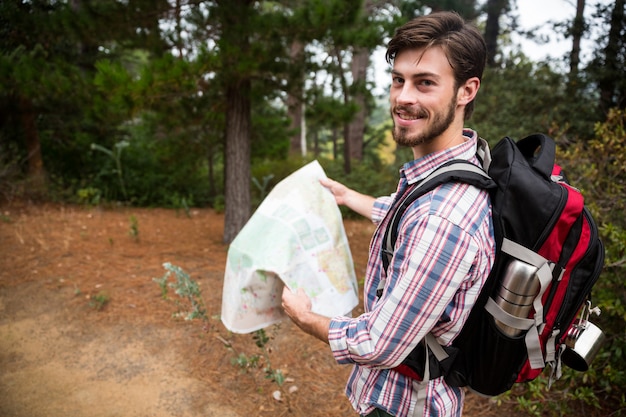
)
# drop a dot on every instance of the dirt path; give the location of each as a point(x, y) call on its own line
point(52, 365)
point(62, 355)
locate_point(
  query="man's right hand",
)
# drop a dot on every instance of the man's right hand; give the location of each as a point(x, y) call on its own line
point(354, 200)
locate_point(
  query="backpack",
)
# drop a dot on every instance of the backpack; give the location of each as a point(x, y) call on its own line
point(548, 257)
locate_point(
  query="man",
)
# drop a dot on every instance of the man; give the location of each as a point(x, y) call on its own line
point(445, 247)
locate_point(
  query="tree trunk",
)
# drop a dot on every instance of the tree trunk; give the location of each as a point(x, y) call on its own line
point(236, 49)
point(356, 129)
point(211, 173)
point(611, 95)
point(294, 101)
point(178, 41)
point(578, 30)
point(492, 29)
point(347, 166)
point(36, 174)
point(316, 143)
point(238, 171)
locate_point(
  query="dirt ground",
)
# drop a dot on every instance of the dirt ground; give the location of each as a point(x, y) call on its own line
point(84, 331)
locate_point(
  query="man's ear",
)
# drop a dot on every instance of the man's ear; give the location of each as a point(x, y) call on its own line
point(467, 92)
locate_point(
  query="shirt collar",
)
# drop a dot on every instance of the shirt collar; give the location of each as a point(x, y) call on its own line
point(419, 169)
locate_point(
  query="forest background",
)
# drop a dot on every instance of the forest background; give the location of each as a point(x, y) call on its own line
point(190, 103)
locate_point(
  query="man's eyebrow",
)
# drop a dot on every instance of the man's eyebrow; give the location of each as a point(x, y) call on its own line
point(424, 74)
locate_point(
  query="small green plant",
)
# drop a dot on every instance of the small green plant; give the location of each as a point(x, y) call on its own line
point(90, 196)
point(186, 288)
point(263, 186)
point(163, 285)
point(181, 202)
point(262, 339)
point(134, 227)
point(98, 301)
point(247, 362)
point(116, 155)
point(219, 204)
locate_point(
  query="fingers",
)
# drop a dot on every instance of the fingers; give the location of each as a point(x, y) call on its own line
point(336, 188)
point(295, 302)
point(285, 296)
point(328, 183)
point(288, 301)
point(289, 296)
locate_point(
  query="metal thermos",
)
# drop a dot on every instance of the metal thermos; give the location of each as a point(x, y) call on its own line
point(583, 340)
point(517, 292)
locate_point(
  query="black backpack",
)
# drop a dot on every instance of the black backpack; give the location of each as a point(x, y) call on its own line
point(548, 257)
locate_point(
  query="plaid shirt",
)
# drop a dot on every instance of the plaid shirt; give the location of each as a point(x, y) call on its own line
point(444, 252)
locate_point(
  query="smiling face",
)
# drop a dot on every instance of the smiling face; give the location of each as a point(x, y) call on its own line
point(426, 105)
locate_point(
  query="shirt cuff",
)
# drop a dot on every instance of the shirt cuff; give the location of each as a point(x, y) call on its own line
point(337, 339)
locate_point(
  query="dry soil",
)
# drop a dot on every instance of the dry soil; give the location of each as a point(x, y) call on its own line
point(85, 332)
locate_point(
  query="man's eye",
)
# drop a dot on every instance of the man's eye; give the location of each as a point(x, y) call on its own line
point(427, 83)
point(397, 80)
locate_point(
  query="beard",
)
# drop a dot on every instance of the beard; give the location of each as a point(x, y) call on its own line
point(439, 124)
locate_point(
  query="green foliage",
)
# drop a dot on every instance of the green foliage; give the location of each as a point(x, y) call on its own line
point(181, 202)
point(98, 301)
point(523, 97)
point(114, 85)
point(372, 177)
point(50, 58)
point(163, 285)
point(116, 155)
point(191, 306)
point(262, 185)
point(245, 362)
point(262, 340)
point(267, 173)
point(270, 134)
point(134, 227)
point(156, 172)
point(109, 73)
point(597, 167)
point(89, 195)
point(607, 71)
point(248, 362)
point(190, 303)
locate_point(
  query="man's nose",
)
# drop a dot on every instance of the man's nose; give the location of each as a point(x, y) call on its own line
point(407, 95)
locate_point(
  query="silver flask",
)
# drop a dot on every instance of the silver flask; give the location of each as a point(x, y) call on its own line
point(517, 292)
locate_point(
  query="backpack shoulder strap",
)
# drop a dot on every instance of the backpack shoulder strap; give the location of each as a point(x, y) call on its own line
point(452, 171)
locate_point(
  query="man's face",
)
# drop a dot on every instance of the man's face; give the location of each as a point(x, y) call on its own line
point(422, 96)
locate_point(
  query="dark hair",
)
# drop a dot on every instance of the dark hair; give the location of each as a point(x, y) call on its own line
point(462, 43)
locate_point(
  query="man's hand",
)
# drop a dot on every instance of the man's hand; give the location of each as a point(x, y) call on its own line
point(338, 190)
point(296, 303)
point(354, 200)
point(297, 306)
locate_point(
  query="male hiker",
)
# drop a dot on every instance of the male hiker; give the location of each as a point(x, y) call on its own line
point(445, 246)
